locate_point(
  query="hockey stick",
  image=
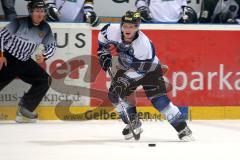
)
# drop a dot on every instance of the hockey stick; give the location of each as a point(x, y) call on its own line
point(60, 7)
point(136, 136)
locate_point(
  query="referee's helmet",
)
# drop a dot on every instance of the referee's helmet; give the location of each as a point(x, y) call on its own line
point(33, 4)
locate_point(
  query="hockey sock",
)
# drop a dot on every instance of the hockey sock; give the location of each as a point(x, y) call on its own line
point(131, 111)
point(170, 112)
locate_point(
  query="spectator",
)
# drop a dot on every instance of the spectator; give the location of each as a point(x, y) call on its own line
point(220, 11)
point(173, 11)
point(9, 10)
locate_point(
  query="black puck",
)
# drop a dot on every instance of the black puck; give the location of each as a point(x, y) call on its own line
point(151, 145)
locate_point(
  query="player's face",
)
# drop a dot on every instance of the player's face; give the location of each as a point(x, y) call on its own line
point(38, 15)
point(129, 30)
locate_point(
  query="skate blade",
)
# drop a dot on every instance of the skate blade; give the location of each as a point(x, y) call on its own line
point(137, 136)
point(130, 135)
point(188, 138)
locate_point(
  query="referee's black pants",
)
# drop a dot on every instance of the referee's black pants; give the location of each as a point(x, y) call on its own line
point(30, 72)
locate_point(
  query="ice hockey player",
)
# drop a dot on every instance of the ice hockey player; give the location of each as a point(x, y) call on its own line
point(174, 11)
point(220, 11)
point(73, 11)
point(138, 66)
point(18, 41)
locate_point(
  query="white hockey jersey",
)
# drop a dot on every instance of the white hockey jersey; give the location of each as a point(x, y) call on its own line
point(164, 10)
point(70, 10)
point(143, 50)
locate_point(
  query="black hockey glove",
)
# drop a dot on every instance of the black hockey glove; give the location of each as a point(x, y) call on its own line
point(92, 18)
point(188, 15)
point(121, 86)
point(52, 12)
point(145, 14)
point(232, 21)
point(204, 17)
point(225, 17)
point(104, 59)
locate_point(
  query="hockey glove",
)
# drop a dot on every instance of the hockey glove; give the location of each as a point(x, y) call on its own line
point(225, 17)
point(104, 59)
point(145, 14)
point(92, 18)
point(188, 15)
point(122, 86)
point(204, 17)
point(52, 12)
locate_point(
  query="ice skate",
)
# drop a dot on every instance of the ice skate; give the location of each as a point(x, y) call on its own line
point(186, 135)
point(137, 129)
point(25, 116)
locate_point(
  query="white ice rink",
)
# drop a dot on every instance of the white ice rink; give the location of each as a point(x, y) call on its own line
point(102, 140)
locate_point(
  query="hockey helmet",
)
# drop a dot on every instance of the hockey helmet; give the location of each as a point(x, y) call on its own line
point(131, 17)
point(36, 4)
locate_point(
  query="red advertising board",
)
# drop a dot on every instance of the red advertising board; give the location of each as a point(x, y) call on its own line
point(204, 66)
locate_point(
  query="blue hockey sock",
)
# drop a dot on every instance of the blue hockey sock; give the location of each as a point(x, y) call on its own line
point(170, 112)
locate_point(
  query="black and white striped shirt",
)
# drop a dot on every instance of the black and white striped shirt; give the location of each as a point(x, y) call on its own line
point(21, 38)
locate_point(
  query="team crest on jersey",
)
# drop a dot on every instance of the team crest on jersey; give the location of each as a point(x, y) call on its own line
point(41, 34)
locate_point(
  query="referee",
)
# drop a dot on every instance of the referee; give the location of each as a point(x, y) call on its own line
point(18, 41)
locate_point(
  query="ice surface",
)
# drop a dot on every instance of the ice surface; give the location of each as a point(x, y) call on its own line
point(88, 140)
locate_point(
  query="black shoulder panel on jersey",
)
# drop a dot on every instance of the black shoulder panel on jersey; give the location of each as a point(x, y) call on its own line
point(105, 27)
point(153, 51)
point(104, 30)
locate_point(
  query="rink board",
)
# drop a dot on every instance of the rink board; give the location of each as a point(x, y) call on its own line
point(203, 65)
point(147, 113)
